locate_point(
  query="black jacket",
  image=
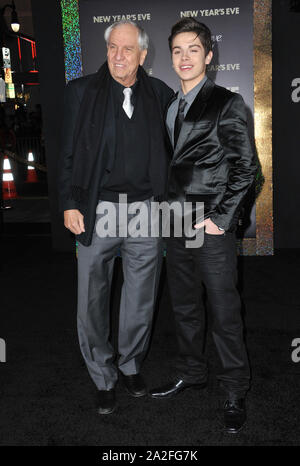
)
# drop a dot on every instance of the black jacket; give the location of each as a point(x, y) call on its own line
point(73, 99)
point(213, 161)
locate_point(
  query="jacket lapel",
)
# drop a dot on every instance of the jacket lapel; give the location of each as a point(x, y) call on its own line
point(89, 128)
point(193, 115)
point(165, 120)
point(168, 106)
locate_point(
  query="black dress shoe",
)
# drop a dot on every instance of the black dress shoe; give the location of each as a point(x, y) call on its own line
point(234, 415)
point(106, 401)
point(135, 385)
point(173, 388)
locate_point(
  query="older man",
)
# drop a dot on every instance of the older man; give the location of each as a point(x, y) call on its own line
point(114, 143)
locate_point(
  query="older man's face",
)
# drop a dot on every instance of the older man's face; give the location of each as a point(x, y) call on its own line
point(124, 55)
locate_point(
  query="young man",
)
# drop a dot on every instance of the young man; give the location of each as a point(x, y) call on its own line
point(212, 163)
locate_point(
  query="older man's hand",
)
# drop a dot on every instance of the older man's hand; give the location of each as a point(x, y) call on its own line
point(73, 220)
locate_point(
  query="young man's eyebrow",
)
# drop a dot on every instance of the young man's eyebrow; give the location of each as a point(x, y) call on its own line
point(191, 45)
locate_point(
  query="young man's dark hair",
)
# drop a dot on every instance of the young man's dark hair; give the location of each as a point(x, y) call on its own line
point(192, 25)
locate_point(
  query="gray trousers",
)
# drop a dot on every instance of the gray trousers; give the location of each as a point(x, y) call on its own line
point(141, 262)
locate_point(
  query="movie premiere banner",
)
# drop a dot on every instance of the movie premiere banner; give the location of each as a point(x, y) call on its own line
point(232, 25)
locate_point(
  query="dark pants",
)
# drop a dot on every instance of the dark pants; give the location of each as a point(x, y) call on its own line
point(214, 266)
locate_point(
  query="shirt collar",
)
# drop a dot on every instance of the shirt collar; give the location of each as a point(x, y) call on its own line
point(118, 88)
point(190, 96)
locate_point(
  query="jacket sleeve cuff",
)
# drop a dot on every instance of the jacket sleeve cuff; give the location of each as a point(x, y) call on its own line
point(220, 221)
point(68, 204)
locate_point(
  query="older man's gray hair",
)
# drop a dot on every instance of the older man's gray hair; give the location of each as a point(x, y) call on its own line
point(143, 38)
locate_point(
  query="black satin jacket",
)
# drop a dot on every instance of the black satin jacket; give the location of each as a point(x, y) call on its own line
point(213, 160)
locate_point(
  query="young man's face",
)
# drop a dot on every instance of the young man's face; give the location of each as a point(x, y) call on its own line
point(189, 60)
point(124, 55)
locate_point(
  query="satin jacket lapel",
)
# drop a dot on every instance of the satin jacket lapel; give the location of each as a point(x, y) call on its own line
point(165, 118)
point(194, 114)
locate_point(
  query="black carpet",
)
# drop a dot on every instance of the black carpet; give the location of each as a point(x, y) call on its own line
point(47, 397)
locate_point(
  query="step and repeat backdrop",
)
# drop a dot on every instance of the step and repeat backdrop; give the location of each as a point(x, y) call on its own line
point(241, 33)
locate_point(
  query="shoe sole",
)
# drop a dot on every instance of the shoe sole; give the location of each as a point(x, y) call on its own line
point(171, 395)
point(232, 431)
point(103, 412)
point(135, 395)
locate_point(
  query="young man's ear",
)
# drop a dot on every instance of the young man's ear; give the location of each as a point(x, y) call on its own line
point(208, 58)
